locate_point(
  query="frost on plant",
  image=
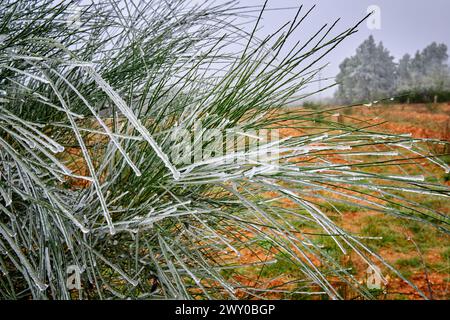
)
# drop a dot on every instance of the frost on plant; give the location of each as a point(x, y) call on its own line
point(92, 201)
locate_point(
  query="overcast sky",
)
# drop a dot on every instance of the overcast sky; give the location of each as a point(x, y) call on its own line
point(406, 25)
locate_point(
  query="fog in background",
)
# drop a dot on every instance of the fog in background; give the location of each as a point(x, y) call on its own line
point(406, 26)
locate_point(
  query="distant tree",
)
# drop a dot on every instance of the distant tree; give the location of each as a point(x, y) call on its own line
point(427, 71)
point(404, 74)
point(437, 75)
point(368, 75)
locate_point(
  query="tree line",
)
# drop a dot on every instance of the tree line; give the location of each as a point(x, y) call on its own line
point(372, 74)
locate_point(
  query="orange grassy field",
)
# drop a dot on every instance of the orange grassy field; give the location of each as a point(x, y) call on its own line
point(420, 252)
point(425, 256)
